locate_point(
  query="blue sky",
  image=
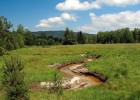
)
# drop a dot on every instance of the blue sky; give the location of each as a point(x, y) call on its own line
point(79, 15)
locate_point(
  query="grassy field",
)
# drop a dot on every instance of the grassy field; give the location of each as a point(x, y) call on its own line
point(120, 63)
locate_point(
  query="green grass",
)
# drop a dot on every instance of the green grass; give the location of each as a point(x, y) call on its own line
point(119, 63)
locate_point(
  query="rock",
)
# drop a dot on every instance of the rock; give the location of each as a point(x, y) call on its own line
point(42, 84)
point(49, 84)
point(89, 59)
point(66, 85)
point(83, 55)
point(55, 65)
point(75, 80)
point(75, 66)
point(82, 70)
point(81, 85)
point(46, 84)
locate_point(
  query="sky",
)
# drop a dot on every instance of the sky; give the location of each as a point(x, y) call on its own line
point(90, 16)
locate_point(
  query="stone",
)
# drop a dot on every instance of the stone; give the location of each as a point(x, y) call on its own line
point(89, 59)
point(83, 70)
point(55, 65)
point(42, 84)
point(75, 66)
point(75, 80)
point(49, 84)
point(83, 55)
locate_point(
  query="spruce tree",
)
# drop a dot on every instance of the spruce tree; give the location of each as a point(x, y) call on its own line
point(13, 80)
point(69, 38)
point(80, 38)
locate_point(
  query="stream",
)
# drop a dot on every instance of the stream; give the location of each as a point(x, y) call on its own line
point(75, 76)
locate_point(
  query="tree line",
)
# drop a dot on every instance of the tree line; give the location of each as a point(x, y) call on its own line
point(10, 40)
point(79, 38)
point(124, 35)
point(14, 39)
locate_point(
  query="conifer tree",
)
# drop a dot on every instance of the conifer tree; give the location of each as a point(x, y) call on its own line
point(69, 38)
point(13, 80)
point(80, 38)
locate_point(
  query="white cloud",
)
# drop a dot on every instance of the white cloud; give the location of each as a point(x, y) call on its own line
point(119, 2)
point(95, 4)
point(67, 16)
point(112, 21)
point(77, 5)
point(56, 21)
point(51, 22)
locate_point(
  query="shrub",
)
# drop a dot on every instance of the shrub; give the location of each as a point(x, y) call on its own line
point(51, 42)
point(2, 51)
point(135, 95)
point(56, 88)
point(9, 46)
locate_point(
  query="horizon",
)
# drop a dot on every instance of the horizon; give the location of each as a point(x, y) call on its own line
point(88, 16)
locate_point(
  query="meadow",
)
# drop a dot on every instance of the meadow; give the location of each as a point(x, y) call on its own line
point(120, 63)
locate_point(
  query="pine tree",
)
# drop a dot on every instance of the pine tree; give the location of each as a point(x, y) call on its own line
point(13, 80)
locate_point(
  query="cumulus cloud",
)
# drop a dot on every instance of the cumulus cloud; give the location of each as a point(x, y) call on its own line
point(107, 22)
point(51, 22)
point(56, 21)
point(119, 2)
point(77, 5)
point(95, 4)
point(67, 16)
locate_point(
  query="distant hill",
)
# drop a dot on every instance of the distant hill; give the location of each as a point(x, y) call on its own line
point(59, 34)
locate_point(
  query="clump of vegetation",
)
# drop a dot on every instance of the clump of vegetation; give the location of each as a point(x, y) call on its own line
point(2, 51)
point(135, 95)
point(9, 40)
point(13, 80)
point(56, 88)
